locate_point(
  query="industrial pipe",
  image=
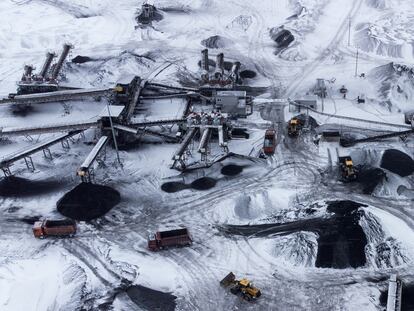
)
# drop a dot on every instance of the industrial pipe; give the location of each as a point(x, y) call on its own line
point(59, 64)
point(49, 58)
point(219, 66)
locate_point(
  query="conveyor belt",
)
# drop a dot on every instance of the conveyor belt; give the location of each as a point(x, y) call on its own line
point(94, 153)
point(56, 96)
point(348, 143)
point(361, 121)
point(50, 128)
point(11, 158)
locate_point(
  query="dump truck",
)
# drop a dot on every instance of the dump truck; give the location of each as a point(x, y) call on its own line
point(293, 127)
point(164, 239)
point(269, 144)
point(347, 169)
point(243, 288)
point(44, 228)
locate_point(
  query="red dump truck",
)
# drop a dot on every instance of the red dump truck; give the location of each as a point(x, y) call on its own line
point(269, 144)
point(44, 228)
point(164, 239)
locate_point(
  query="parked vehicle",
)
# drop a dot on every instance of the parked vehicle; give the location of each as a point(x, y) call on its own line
point(164, 239)
point(347, 169)
point(243, 287)
point(293, 127)
point(269, 144)
point(64, 227)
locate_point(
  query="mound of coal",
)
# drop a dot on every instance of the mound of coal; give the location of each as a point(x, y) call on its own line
point(88, 201)
point(240, 133)
point(227, 65)
point(282, 37)
point(407, 297)
point(231, 170)
point(247, 74)
point(150, 299)
point(173, 186)
point(369, 178)
point(156, 17)
point(13, 186)
point(341, 240)
point(342, 243)
point(216, 42)
point(81, 59)
point(397, 162)
point(312, 122)
point(203, 183)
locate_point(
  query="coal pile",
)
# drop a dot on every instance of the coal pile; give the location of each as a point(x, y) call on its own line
point(369, 178)
point(397, 162)
point(248, 74)
point(174, 186)
point(216, 42)
point(88, 201)
point(81, 59)
point(342, 245)
point(13, 186)
point(311, 121)
point(407, 297)
point(231, 170)
point(150, 299)
point(341, 241)
point(203, 183)
point(282, 37)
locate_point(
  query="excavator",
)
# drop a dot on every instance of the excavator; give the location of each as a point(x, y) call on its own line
point(243, 287)
point(293, 127)
point(347, 169)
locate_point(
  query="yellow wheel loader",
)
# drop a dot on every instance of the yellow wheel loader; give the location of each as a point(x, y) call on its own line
point(243, 287)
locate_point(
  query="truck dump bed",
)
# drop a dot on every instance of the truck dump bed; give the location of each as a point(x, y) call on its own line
point(59, 223)
point(173, 233)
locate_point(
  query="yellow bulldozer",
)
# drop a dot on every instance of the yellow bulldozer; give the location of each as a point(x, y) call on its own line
point(243, 287)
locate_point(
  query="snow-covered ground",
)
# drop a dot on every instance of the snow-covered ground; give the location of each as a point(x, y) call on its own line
point(89, 271)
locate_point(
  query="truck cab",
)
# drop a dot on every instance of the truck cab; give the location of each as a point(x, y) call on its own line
point(38, 230)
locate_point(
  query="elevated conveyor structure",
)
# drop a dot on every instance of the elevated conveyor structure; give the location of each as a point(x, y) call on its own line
point(350, 121)
point(57, 96)
point(49, 128)
point(85, 170)
point(8, 160)
point(178, 157)
point(394, 294)
point(134, 100)
point(349, 143)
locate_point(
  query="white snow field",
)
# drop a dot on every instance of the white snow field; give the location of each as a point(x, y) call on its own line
point(271, 222)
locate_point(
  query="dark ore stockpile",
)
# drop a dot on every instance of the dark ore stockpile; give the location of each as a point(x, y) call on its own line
point(173, 186)
point(81, 59)
point(342, 244)
point(88, 201)
point(216, 42)
point(203, 183)
point(369, 178)
point(397, 162)
point(150, 299)
point(407, 298)
point(248, 74)
point(19, 187)
point(341, 241)
point(231, 170)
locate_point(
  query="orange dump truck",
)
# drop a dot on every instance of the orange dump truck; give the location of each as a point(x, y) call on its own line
point(44, 228)
point(164, 239)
